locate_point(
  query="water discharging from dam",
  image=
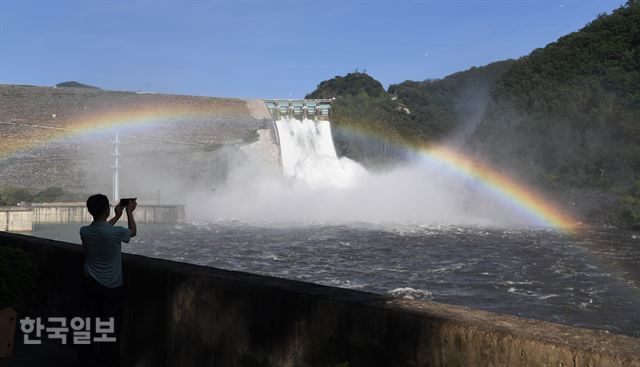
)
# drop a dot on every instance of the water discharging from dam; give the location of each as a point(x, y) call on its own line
point(308, 154)
point(315, 185)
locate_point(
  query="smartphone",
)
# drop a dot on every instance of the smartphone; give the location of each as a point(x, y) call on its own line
point(125, 201)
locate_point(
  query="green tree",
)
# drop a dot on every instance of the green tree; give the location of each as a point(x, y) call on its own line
point(13, 195)
point(50, 194)
point(352, 84)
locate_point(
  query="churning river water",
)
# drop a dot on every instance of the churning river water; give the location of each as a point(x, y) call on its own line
point(590, 279)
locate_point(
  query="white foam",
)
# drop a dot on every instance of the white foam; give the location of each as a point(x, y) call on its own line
point(410, 293)
point(314, 185)
point(308, 154)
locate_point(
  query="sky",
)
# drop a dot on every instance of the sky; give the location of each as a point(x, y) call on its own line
point(269, 49)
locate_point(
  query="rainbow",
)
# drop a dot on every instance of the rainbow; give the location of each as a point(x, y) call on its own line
point(509, 191)
point(504, 187)
point(103, 123)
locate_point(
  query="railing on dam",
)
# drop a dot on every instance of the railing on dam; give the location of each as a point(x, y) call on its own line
point(303, 108)
point(178, 314)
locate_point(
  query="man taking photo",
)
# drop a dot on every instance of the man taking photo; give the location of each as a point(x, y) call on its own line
point(102, 286)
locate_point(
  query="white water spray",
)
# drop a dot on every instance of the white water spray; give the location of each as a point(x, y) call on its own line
point(314, 185)
point(308, 154)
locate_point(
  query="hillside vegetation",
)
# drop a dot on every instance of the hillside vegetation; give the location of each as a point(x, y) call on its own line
point(566, 117)
point(363, 113)
point(410, 113)
point(451, 107)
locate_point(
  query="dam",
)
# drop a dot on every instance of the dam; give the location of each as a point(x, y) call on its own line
point(80, 139)
point(64, 137)
point(230, 292)
point(301, 109)
point(24, 218)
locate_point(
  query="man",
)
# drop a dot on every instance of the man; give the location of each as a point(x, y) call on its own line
point(103, 265)
point(102, 243)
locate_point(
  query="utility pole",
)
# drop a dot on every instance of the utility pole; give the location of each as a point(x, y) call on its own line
point(116, 168)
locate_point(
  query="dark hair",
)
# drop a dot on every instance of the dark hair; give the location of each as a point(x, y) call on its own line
point(97, 204)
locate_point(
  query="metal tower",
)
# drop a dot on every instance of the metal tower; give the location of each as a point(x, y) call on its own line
point(116, 168)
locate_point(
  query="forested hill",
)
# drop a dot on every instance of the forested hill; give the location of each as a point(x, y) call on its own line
point(413, 112)
point(74, 84)
point(349, 85)
point(566, 117)
point(362, 104)
point(451, 107)
point(573, 107)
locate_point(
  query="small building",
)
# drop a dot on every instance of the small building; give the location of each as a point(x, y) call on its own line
point(301, 108)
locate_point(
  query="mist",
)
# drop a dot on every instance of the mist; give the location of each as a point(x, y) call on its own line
point(310, 185)
point(410, 194)
point(319, 187)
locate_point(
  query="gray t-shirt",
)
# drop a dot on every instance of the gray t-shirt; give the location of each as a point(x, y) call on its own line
point(102, 256)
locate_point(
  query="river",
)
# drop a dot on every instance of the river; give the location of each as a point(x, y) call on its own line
point(588, 279)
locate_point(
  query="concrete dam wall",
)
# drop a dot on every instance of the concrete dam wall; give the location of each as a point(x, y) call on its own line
point(22, 219)
point(64, 137)
point(56, 213)
point(179, 314)
point(16, 219)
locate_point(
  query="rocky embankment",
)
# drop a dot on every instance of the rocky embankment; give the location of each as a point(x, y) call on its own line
point(44, 140)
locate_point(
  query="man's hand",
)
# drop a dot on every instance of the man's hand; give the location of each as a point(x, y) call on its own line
point(118, 210)
point(131, 206)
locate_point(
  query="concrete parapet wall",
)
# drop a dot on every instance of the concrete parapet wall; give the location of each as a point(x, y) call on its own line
point(78, 213)
point(61, 214)
point(16, 219)
point(179, 314)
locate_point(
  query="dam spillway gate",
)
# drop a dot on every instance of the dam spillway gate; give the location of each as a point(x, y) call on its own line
point(314, 109)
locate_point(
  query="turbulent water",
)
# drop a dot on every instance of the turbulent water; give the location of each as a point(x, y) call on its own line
point(589, 280)
point(315, 185)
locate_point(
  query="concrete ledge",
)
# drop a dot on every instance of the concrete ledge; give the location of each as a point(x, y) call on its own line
point(179, 314)
point(16, 219)
point(78, 213)
point(22, 218)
